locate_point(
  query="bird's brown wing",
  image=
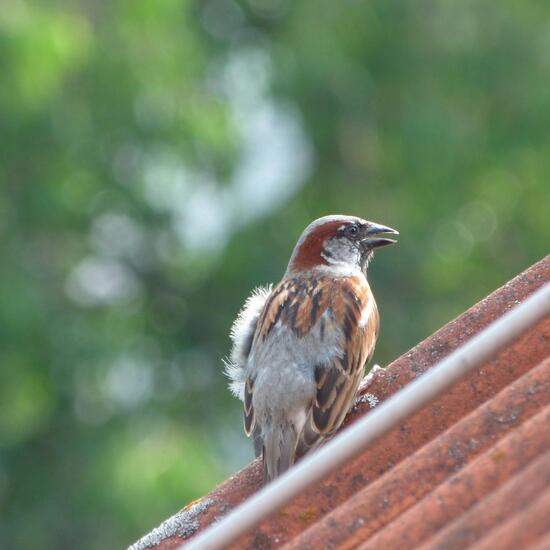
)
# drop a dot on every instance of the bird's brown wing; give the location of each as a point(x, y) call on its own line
point(251, 429)
point(297, 303)
point(353, 308)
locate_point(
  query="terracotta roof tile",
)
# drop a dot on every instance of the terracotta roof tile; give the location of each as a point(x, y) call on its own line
point(542, 544)
point(496, 508)
point(522, 529)
point(464, 467)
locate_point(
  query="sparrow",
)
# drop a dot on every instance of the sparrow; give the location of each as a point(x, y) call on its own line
point(299, 349)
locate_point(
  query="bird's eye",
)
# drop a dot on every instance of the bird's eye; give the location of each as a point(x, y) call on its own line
point(352, 231)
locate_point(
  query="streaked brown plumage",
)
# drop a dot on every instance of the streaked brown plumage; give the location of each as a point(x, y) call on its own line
point(307, 345)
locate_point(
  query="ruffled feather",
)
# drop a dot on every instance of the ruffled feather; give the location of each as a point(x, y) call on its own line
point(242, 334)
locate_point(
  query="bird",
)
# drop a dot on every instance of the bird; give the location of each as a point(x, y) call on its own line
point(299, 348)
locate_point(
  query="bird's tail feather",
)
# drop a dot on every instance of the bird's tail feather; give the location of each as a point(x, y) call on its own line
point(279, 451)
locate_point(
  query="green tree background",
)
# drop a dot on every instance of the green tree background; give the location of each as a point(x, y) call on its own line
point(158, 159)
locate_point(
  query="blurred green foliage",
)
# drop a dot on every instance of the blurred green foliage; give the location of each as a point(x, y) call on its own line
point(159, 159)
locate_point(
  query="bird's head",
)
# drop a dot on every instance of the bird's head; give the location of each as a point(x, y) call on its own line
point(343, 242)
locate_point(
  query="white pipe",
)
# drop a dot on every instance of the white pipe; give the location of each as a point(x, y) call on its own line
point(382, 419)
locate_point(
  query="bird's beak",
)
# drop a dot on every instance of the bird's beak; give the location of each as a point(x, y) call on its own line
point(372, 240)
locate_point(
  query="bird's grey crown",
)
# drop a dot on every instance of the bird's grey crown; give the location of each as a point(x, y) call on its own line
point(318, 223)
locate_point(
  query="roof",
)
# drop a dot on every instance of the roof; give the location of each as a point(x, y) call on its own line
point(473, 467)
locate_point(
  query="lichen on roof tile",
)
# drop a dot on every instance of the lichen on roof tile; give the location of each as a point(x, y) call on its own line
point(183, 524)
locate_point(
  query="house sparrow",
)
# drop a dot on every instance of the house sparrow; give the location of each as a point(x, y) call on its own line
point(299, 349)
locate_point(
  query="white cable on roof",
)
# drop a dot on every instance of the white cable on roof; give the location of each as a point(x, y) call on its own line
point(354, 439)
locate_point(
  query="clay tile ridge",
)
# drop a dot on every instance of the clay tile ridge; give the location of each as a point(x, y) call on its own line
point(472, 469)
